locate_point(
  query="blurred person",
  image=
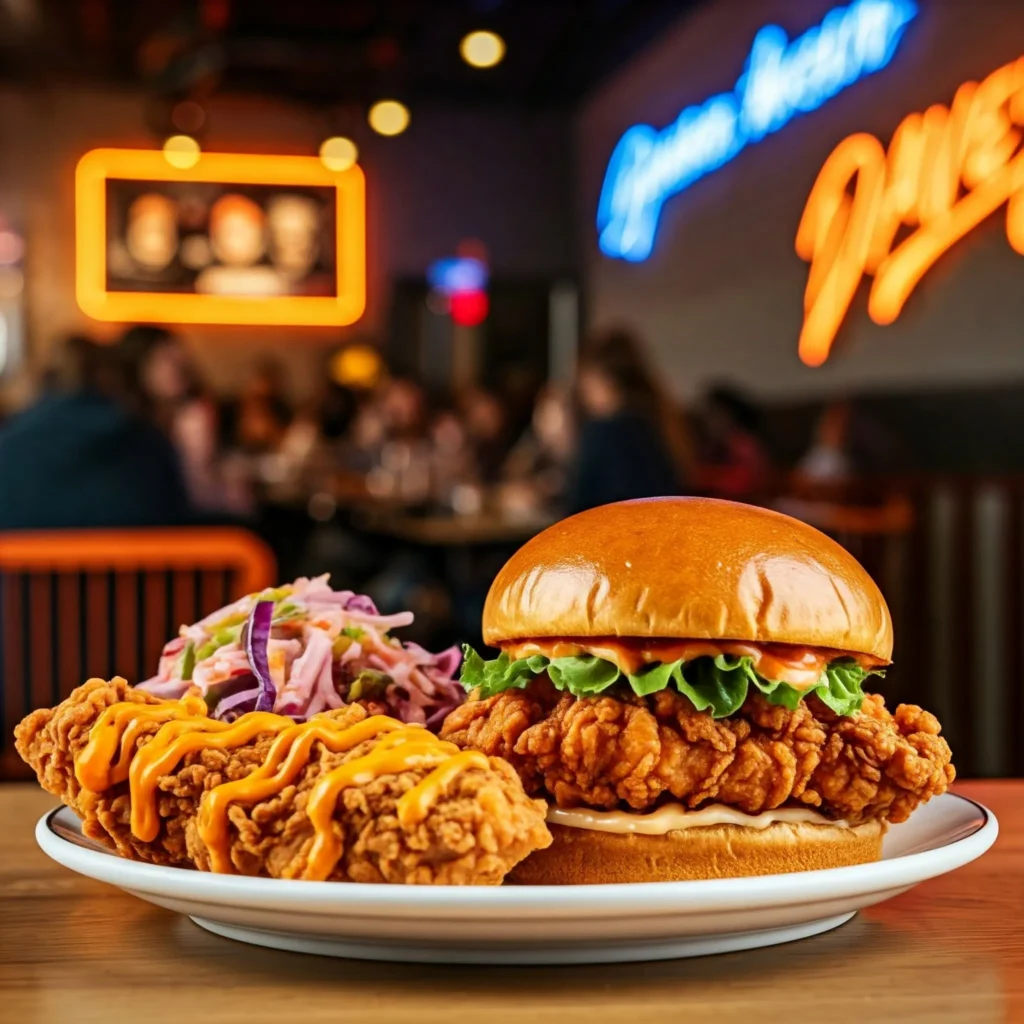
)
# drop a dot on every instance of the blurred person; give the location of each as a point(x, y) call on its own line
point(238, 240)
point(521, 386)
point(486, 422)
point(403, 405)
point(840, 484)
point(365, 439)
point(453, 467)
point(828, 460)
point(338, 406)
point(293, 223)
point(159, 375)
point(537, 469)
point(848, 449)
point(735, 462)
point(267, 384)
point(82, 456)
point(258, 431)
point(256, 421)
point(631, 439)
point(300, 442)
point(403, 473)
point(151, 235)
point(163, 385)
point(314, 447)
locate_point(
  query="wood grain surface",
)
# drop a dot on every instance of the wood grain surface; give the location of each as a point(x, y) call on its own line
point(75, 950)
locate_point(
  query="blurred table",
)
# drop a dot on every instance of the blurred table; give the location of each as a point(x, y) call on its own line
point(71, 949)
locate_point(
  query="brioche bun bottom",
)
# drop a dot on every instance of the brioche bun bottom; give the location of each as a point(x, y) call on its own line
point(580, 856)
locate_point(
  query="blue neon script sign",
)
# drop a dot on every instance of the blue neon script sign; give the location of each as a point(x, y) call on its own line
point(782, 78)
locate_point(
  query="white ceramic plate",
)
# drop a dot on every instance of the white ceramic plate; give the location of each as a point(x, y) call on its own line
point(538, 924)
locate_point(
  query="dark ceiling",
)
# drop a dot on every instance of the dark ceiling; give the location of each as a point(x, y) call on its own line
point(329, 51)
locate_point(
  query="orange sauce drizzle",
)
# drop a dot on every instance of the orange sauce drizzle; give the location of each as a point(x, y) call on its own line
point(287, 756)
point(172, 743)
point(801, 667)
point(116, 733)
point(110, 756)
point(395, 753)
point(414, 806)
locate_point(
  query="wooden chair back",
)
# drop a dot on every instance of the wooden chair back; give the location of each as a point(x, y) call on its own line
point(83, 603)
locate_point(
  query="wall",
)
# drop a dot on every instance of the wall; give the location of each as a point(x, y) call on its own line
point(501, 177)
point(721, 295)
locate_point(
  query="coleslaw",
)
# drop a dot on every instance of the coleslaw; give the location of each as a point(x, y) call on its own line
point(303, 648)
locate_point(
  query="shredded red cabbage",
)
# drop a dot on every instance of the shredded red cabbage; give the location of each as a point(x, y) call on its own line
point(304, 648)
point(239, 703)
point(361, 603)
point(257, 636)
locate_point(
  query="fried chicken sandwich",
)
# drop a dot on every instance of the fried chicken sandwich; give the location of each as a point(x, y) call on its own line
point(682, 680)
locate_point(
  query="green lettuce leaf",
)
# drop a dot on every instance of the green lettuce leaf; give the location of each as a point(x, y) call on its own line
point(582, 676)
point(719, 684)
point(652, 678)
point(843, 690)
point(491, 677)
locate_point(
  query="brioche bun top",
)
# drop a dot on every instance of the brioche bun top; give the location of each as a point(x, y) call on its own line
point(688, 568)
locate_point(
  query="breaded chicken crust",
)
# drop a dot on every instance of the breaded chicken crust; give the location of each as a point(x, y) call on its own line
point(633, 752)
point(474, 834)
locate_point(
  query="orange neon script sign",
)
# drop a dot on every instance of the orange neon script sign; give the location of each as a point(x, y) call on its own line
point(98, 300)
point(945, 171)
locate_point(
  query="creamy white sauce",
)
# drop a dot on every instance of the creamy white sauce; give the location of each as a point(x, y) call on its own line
point(673, 817)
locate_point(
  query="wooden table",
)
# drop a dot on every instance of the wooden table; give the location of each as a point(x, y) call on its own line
point(75, 950)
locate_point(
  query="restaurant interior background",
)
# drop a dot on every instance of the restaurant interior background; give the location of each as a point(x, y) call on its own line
point(549, 322)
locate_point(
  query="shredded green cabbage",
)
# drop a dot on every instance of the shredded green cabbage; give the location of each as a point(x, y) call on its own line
point(719, 684)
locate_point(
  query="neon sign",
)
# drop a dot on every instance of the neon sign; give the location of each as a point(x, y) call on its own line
point(238, 303)
point(945, 171)
point(782, 79)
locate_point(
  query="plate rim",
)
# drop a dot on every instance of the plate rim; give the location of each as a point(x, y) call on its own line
point(647, 898)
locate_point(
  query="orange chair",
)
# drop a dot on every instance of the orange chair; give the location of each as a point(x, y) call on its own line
point(82, 603)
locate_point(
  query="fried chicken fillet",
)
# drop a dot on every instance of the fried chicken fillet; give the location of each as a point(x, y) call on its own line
point(633, 752)
point(474, 833)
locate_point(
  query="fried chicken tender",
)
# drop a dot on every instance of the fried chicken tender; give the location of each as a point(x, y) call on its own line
point(611, 751)
point(474, 834)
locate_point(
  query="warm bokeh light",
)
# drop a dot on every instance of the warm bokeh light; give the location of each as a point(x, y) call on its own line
point(482, 49)
point(338, 153)
point(357, 366)
point(181, 152)
point(389, 117)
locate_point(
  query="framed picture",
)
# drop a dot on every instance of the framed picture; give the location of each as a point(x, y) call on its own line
point(235, 239)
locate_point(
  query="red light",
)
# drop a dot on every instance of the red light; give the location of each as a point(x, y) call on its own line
point(468, 309)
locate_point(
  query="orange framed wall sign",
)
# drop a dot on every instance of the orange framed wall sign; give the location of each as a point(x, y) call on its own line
point(234, 239)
